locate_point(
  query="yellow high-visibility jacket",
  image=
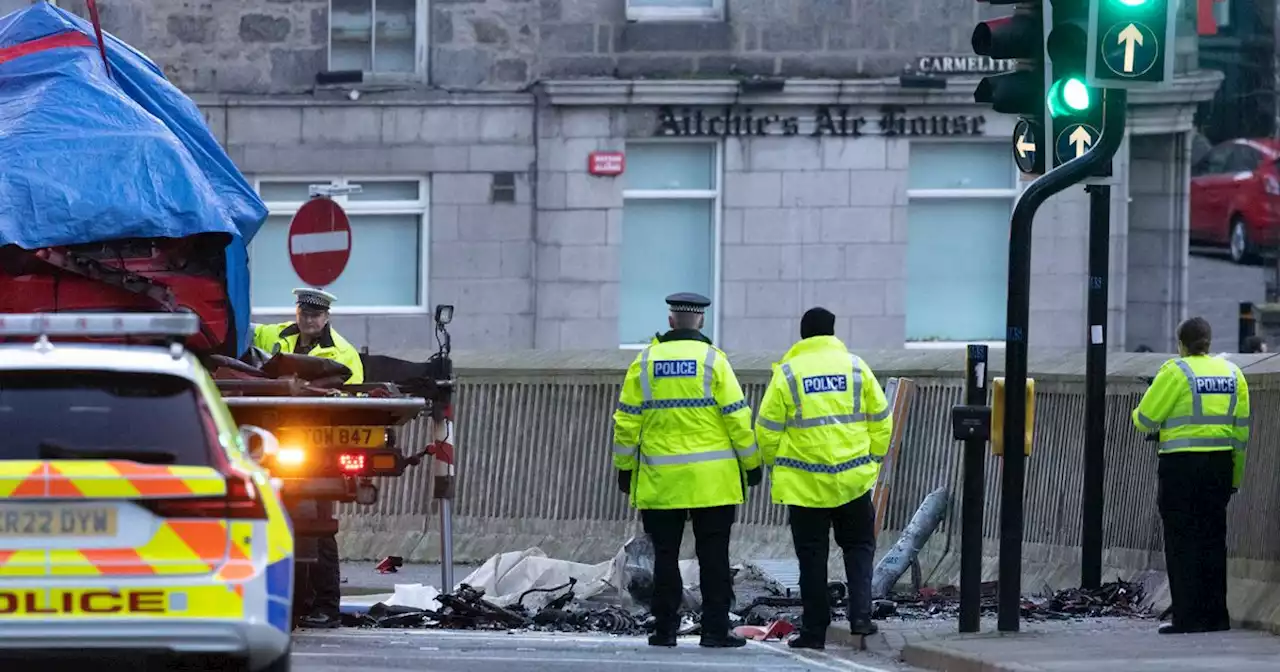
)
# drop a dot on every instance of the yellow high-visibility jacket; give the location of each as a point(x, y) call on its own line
point(283, 337)
point(683, 428)
point(1200, 404)
point(824, 425)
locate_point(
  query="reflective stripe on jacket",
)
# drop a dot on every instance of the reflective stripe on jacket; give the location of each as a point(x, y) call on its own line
point(824, 425)
point(283, 337)
point(683, 421)
point(1199, 404)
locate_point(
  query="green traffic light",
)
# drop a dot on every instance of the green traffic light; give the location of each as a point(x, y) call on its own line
point(1069, 96)
point(1075, 94)
point(1134, 3)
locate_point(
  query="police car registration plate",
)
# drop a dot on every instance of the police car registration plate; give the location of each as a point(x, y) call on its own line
point(336, 437)
point(57, 521)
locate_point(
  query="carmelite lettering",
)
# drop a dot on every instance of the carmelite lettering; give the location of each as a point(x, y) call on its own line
point(826, 121)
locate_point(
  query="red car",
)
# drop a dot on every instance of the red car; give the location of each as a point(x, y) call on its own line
point(1235, 197)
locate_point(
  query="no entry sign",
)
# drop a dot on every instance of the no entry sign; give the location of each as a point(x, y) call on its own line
point(319, 242)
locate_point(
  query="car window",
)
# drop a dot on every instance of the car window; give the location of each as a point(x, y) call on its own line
point(1213, 163)
point(92, 415)
point(1243, 159)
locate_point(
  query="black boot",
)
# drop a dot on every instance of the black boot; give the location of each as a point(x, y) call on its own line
point(662, 639)
point(723, 641)
point(864, 627)
point(803, 641)
point(323, 621)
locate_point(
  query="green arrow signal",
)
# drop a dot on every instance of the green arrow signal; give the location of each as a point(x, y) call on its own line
point(1129, 37)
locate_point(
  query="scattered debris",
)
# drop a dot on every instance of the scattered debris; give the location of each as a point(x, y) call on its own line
point(529, 591)
point(1115, 599)
point(1118, 598)
point(390, 564)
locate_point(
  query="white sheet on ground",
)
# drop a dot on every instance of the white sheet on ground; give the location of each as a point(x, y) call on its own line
point(505, 576)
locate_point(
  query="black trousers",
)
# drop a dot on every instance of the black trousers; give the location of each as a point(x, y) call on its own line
point(711, 528)
point(854, 526)
point(320, 583)
point(1194, 489)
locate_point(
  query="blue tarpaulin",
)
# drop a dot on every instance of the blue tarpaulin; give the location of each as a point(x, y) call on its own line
point(87, 156)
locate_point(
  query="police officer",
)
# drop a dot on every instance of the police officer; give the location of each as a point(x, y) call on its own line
point(311, 334)
point(824, 426)
point(682, 442)
point(1200, 405)
point(319, 584)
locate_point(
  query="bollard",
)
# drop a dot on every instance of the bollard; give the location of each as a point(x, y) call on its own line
point(1248, 325)
point(971, 423)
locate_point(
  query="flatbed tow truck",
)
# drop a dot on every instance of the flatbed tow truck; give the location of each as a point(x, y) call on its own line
point(333, 443)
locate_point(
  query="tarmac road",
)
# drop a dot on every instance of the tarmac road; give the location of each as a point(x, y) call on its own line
point(356, 650)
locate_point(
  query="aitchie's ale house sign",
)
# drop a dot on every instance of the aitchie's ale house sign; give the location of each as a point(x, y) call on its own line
point(826, 120)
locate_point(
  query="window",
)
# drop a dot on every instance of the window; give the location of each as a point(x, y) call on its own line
point(378, 36)
point(1222, 13)
point(386, 272)
point(670, 234)
point(961, 196)
point(674, 10)
point(86, 415)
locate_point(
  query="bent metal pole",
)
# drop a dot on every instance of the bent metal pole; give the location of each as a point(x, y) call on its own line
point(1013, 472)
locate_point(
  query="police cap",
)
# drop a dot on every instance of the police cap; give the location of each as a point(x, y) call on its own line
point(314, 299)
point(688, 302)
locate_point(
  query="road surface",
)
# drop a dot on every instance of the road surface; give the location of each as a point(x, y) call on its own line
point(358, 650)
point(1215, 288)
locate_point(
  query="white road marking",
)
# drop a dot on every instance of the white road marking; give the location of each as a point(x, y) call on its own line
point(737, 664)
point(602, 639)
point(839, 664)
point(311, 243)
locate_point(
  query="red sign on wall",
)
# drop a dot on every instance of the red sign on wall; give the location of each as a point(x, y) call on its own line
point(606, 163)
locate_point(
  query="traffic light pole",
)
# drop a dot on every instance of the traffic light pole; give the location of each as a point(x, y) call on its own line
point(1013, 473)
point(1095, 387)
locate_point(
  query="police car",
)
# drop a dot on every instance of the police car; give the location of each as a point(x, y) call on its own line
point(134, 517)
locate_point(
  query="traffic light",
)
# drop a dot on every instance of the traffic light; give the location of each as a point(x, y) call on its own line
point(1075, 109)
point(1019, 36)
point(1130, 43)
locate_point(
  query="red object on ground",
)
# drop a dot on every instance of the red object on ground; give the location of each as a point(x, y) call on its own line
point(778, 629)
point(320, 241)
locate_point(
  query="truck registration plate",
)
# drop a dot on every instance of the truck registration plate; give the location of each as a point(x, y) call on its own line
point(337, 437)
point(57, 521)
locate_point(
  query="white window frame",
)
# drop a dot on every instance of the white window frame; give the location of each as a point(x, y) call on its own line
point(421, 208)
point(642, 13)
point(1011, 193)
point(421, 43)
point(716, 196)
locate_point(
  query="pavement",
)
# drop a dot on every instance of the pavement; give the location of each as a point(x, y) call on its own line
point(1085, 645)
point(357, 650)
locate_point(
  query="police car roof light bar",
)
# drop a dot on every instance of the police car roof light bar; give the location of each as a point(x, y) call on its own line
point(99, 324)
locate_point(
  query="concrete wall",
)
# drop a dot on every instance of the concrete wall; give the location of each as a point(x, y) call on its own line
point(533, 440)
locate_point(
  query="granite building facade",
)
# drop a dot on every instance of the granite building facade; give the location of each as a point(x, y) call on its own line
point(554, 167)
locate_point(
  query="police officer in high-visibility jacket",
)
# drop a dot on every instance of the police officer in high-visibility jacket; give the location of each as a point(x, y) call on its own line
point(682, 446)
point(1200, 405)
point(311, 334)
point(824, 427)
